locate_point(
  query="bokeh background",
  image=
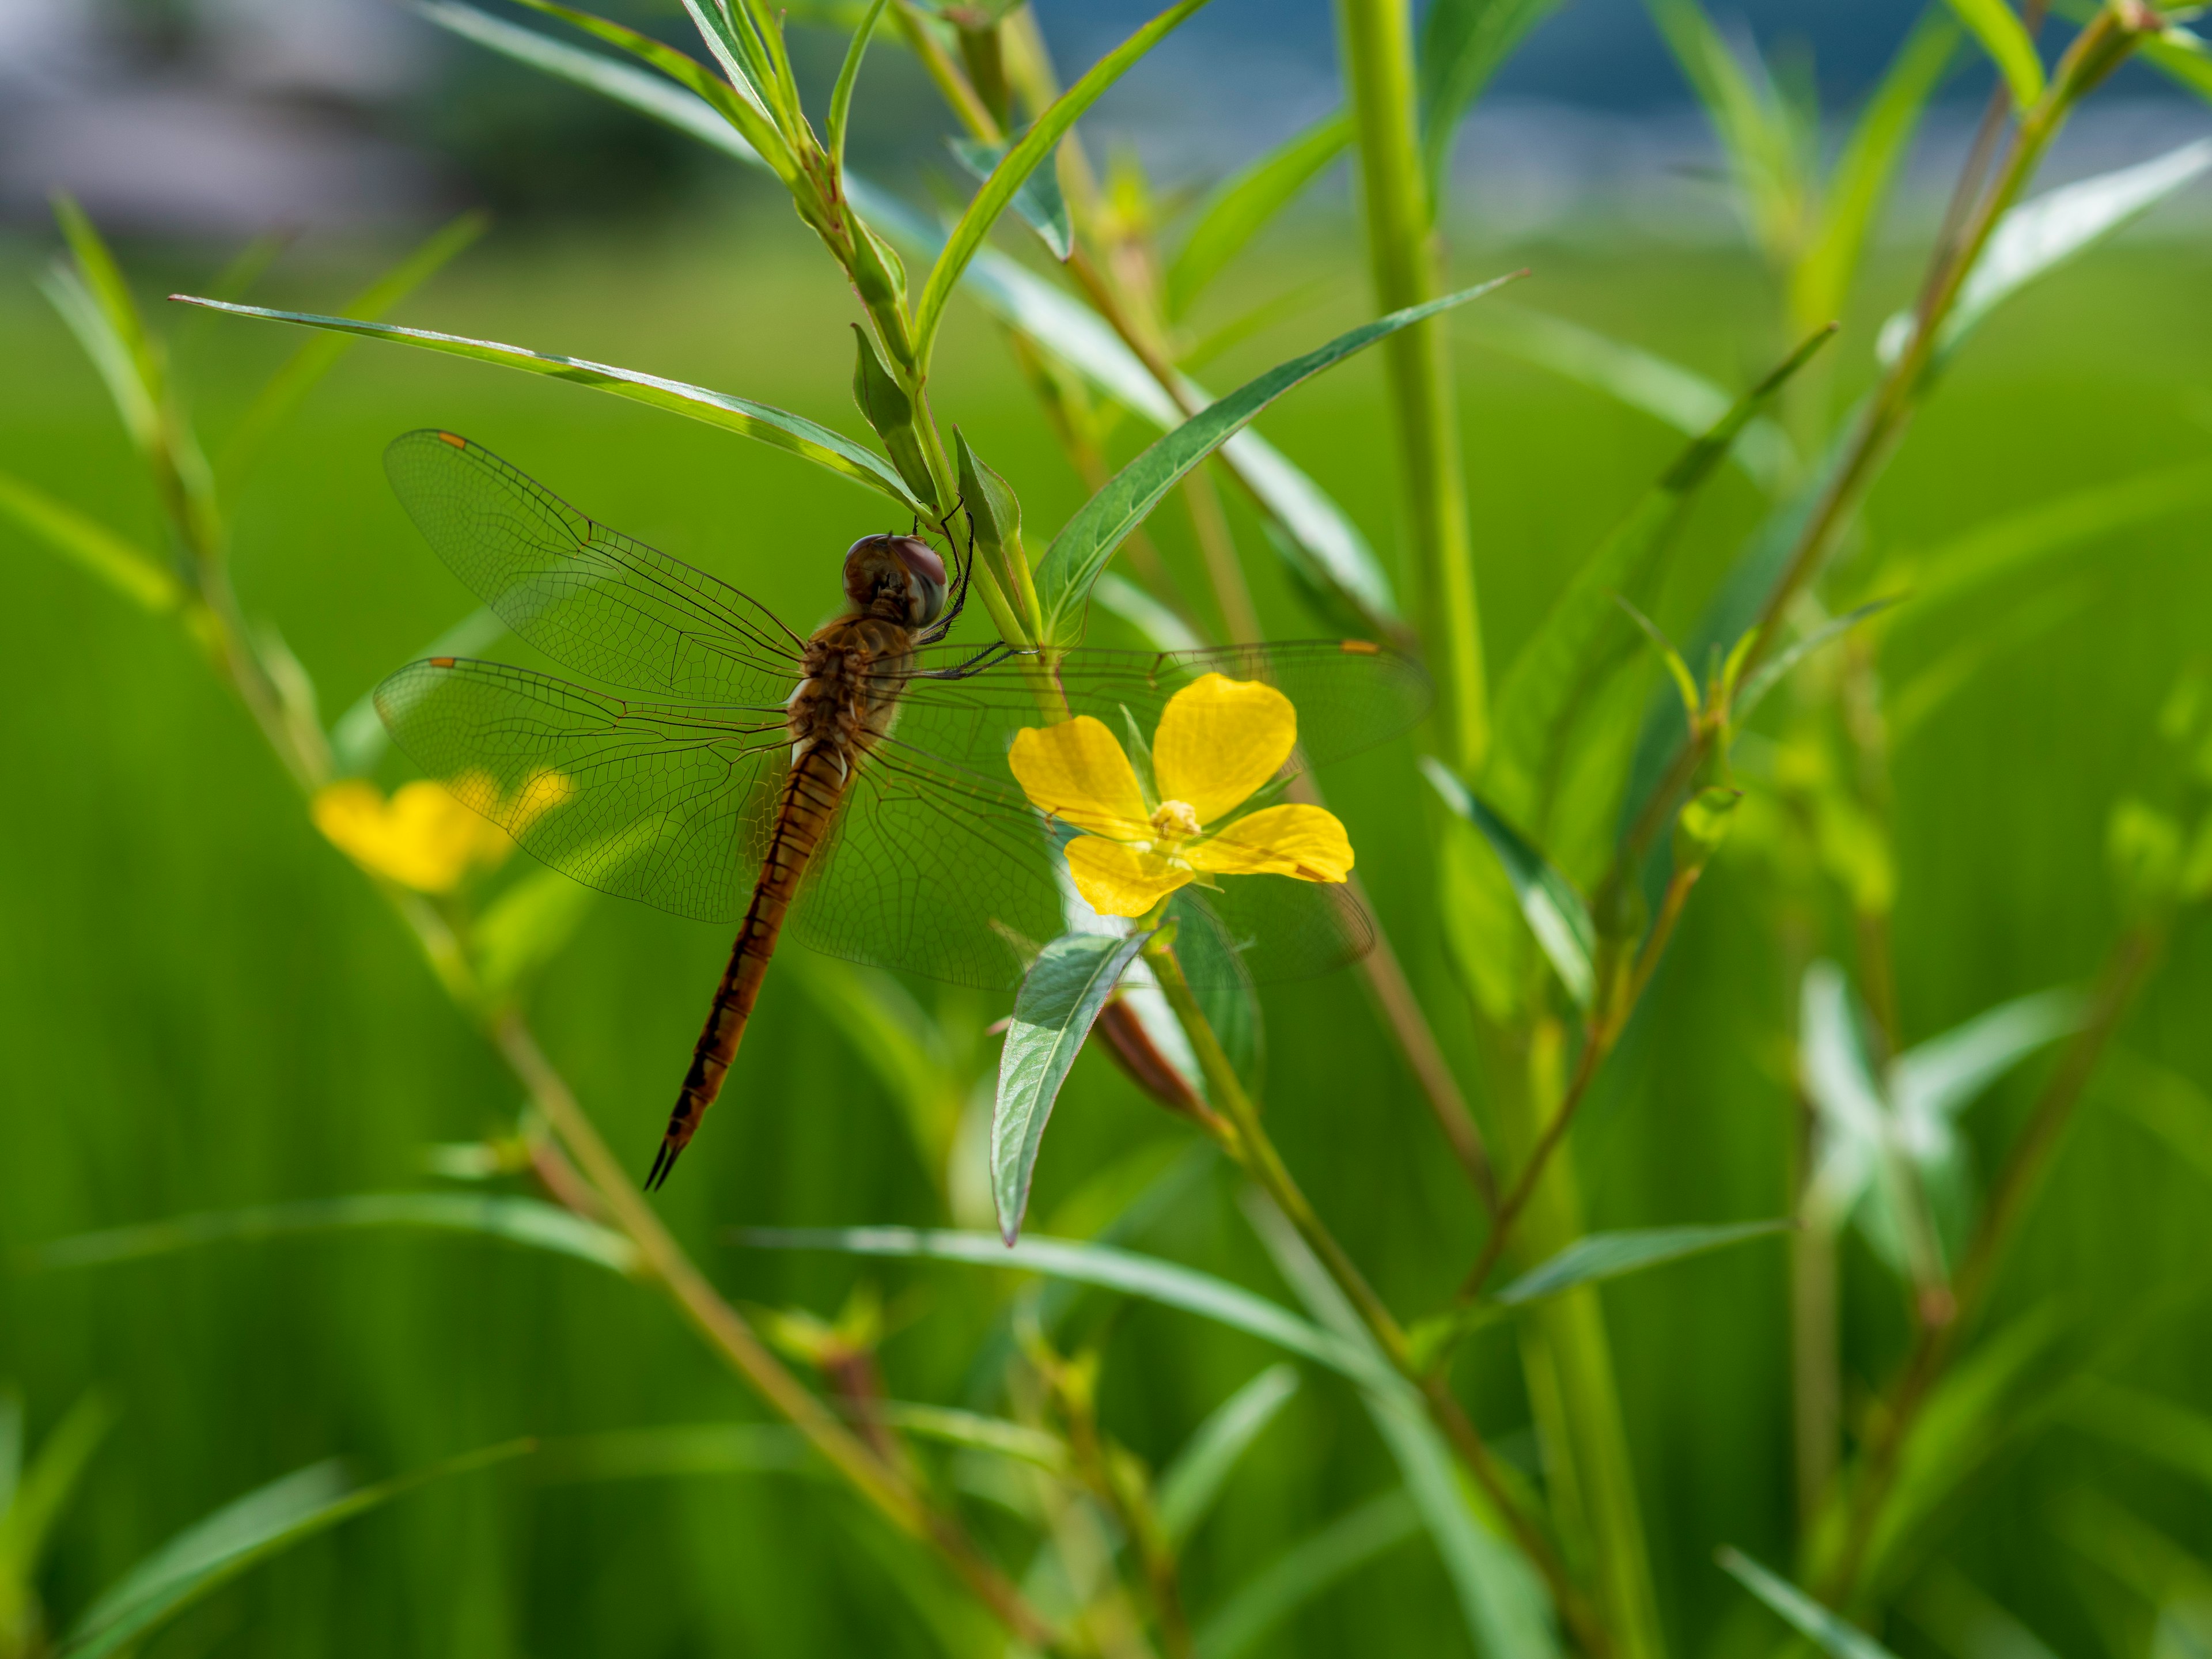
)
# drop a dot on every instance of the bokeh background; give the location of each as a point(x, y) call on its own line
point(202, 1005)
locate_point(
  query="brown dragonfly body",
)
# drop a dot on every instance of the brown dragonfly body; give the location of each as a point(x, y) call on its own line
point(856, 668)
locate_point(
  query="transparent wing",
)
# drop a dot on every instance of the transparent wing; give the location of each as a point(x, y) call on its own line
point(591, 598)
point(664, 803)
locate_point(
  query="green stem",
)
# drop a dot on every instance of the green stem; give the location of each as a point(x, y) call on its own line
point(1378, 62)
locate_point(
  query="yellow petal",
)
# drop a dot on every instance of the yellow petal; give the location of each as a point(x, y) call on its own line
point(1077, 772)
point(424, 841)
point(1305, 842)
point(1116, 880)
point(1219, 740)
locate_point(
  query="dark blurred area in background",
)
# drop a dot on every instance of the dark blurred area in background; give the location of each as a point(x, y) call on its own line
point(229, 116)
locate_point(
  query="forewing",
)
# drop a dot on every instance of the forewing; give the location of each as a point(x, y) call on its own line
point(659, 802)
point(591, 598)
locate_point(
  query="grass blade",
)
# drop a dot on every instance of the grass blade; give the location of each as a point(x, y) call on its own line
point(518, 1221)
point(266, 1522)
point(1643, 380)
point(32, 1503)
point(291, 383)
point(1834, 1637)
point(1937, 1078)
point(1555, 911)
point(359, 740)
point(1079, 552)
point(2001, 33)
point(1039, 142)
point(660, 1453)
point(1243, 203)
point(1190, 1485)
point(2143, 1423)
point(1821, 280)
point(1765, 152)
point(1463, 44)
point(127, 568)
point(1595, 1257)
point(1771, 673)
point(1037, 200)
point(841, 95)
point(1146, 1277)
point(1060, 998)
point(776, 427)
point(1315, 1564)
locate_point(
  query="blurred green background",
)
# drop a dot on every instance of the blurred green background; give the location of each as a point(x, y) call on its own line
point(203, 1005)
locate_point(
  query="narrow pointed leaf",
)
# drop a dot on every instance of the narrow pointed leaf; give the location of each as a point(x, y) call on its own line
point(1463, 44)
point(1827, 1630)
point(1060, 998)
point(974, 1432)
point(1241, 205)
point(1772, 672)
point(518, 1221)
point(1143, 1276)
point(129, 570)
point(1997, 28)
point(1079, 552)
point(1748, 116)
point(1190, 1485)
point(266, 1522)
point(1315, 1563)
point(848, 75)
point(1013, 170)
point(776, 427)
point(683, 1449)
point(30, 1504)
point(526, 926)
point(1937, 1078)
point(1597, 1257)
point(1038, 201)
point(1554, 910)
point(359, 740)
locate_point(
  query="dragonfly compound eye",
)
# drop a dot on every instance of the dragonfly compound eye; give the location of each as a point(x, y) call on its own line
point(904, 566)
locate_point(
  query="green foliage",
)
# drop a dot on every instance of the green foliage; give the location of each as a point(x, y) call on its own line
point(1241, 205)
point(1997, 26)
point(1463, 44)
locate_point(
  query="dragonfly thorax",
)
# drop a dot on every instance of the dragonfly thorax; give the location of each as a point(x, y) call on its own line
point(899, 578)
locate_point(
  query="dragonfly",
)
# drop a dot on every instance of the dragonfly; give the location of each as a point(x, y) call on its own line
point(849, 785)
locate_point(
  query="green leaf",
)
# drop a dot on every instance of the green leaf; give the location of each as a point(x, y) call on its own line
point(526, 926)
point(1595, 1257)
point(2157, 1429)
point(1060, 997)
point(777, 427)
point(1317, 1563)
point(658, 1452)
point(1146, 1277)
point(1938, 1078)
point(1501, 1599)
point(129, 570)
point(1564, 662)
point(1821, 280)
point(1190, 1485)
point(31, 1504)
point(1014, 168)
point(1834, 1636)
point(2180, 56)
point(125, 354)
point(1243, 203)
point(974, 1432)
point(359, 740)
point(1555, 911)
point(1660, 388)
point(208, 1554)
point(2037, 237)
point(1769, 673)
point(888, 409)
point(906, 1049)
point(290, 384)
point(1037, 200)
point(1079, 552)
point(841, 95)
point(1767, 148)
point(1997, 28)
point(1163, 629)
point(519, 1220)
point(1463, 44)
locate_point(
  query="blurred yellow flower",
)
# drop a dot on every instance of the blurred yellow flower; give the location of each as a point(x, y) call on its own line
point(429, 835)
point(1218, 741)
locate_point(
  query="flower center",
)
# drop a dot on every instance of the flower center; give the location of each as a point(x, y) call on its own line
point(1175, 821)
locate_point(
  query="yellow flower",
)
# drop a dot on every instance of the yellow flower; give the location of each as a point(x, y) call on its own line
point(1218, 741)
point(428, 835)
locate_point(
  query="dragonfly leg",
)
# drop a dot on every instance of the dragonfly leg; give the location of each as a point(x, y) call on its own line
point(989, 657)
point(943, 625)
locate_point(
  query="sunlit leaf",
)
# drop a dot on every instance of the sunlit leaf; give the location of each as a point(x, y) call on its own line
point(1555, 911)
point(1161, 628)
point(1142, 1276)
point(1243, 204)
point(526, 925)
point(1772, 672)
point(518, 1221)
point(129, 570)
point(776, 427)
point(2001, 33)
point(1079, 552)
point(1060, 998)
point(1014, 168)
point(359, 740)
point(1834, 1636)
point(209, 1553)
point(1315, 1564)
point(1595, 1257)
point(1937, 1078)
point(974, 1432)
point(1190, 1485)
point(1038, 200)
point(848, 75)
point(1463, 44)
point(32, 1500)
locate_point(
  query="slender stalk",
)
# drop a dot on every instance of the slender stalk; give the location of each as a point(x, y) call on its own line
point(1379, 62)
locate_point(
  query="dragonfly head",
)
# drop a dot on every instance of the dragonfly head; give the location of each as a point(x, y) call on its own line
point(900, 578)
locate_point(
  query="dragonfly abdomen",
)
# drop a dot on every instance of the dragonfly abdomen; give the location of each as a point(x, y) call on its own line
point(811, 794)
